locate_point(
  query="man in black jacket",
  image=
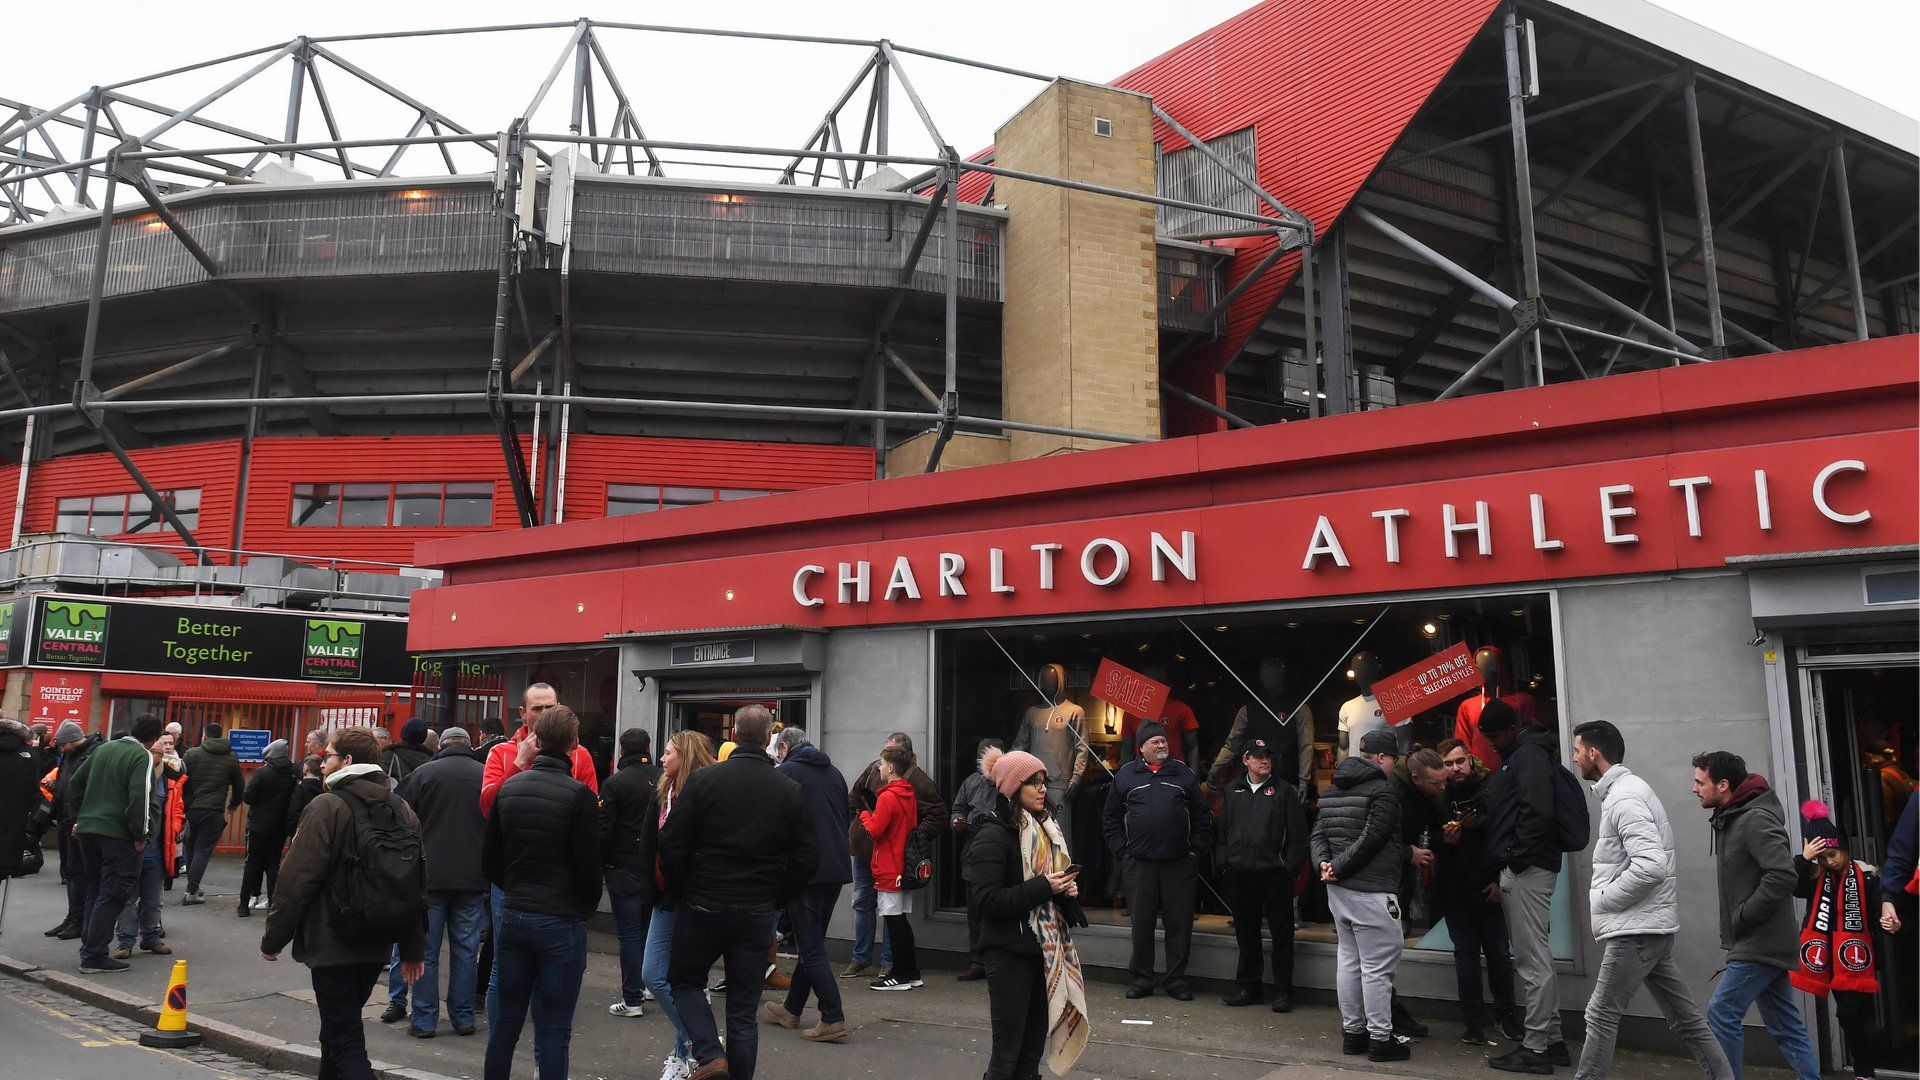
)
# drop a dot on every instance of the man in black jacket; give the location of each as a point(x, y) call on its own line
point(740, 848)
point(269, 796)
point(1157, 824)
point(1263, 838)
point(445, 793)
point(1522, 843)
point(214, 790)
point(72, 747)
point(1356, 846)
point(825, 793)
point(1466, 892)
point(624, 801)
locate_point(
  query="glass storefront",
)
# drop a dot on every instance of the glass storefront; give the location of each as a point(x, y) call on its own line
point(987, 683)
point(586, 681)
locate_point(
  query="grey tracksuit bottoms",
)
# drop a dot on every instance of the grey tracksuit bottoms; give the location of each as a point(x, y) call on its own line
point(1371, 938)
point(1526, 898)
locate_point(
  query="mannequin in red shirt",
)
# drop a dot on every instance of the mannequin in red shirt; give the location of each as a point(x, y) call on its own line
point(1497, 681)
point(1182, 728)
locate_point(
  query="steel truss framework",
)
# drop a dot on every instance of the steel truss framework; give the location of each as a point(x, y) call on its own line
point(604, 133)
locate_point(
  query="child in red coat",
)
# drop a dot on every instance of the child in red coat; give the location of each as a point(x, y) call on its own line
point(893, 816)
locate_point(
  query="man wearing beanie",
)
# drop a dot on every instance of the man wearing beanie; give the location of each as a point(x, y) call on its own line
point(411, 752)
point(1157, 825)
point(1355, 846)
point(72, 745)
point(269, 801)
point(445, 793)
point(1523, 845)
point(214, 790)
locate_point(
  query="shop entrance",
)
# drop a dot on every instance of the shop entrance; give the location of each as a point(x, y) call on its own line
point(1861, 710)
point(710, 711)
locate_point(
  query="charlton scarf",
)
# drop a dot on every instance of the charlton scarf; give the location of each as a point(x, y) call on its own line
point(1836, 929)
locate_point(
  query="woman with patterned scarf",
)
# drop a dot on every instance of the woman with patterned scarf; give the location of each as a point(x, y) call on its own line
point(1018, 882)
point(1836, 943)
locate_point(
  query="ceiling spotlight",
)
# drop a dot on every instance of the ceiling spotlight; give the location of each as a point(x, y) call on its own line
point(1350, 674)
point(1293, 626)
point(1517, 612)
point(1219, 629)
point(1359, 622)
point(1429, 629)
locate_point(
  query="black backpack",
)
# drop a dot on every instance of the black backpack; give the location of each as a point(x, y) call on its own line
point(916, 868)
point(378, 889)
point(1571, 828)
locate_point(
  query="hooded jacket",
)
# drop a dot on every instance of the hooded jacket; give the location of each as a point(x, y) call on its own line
point(213, 776)
point(403, 758)
point(1262, 830)
point(445, 793)
point(269, 798)
point(1466, 719)
point(301, 913)
point(1754, 859)
point(824, 791)
point(1156, 814)
point(309, 788)
point(1358, 830)
point(1635, 887)
point(19, 792)
point(624, 800)
point(999, 893)
point(1520, 807)
point(888, 823)
point(932, 809)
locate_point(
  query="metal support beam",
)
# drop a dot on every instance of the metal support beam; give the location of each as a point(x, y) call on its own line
point(1336, 325)
point(1657, 229)
point(1843, 201)
point(155, 497)
point(502, 413)
point(1888, 237)
point(257, 388)
point(1447, 266)
point(1204, 405)
point(1604, 147)
point(1526, 251)
point(90, 338)
point(533, 356)
point(1442, 317)
point(142, 382)
point(286, 361)
point(1549, 114)
point(913, 377)
point(1709, 264)
point(1611, 303)
point(1479, 366)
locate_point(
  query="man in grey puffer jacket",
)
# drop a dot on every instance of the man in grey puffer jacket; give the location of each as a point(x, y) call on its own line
point(1636, 908)
point(1758, 927)
point(1355, 844)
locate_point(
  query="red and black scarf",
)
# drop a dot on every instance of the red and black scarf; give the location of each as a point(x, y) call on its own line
point(1836, 946)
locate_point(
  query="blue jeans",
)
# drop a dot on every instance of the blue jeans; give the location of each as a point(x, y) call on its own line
point(630, 915)
point(146, 912)
point(653, 972)
point(1744, 984)
point(457, 917)
point(1476, 929)
point(808, 916)
point(540, 960)
point(740, 937)
point(866, 907)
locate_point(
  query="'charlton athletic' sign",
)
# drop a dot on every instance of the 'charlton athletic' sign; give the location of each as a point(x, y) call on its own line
point(1433, 681)
point(1129, 690)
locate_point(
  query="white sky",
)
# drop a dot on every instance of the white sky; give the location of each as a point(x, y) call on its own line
point(701, 89)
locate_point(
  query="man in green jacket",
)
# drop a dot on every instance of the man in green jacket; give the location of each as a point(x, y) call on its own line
point(112, 799)
point(214, 789)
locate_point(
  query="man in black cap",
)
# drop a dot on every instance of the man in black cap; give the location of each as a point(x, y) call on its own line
point(1157, 825)
point(1523, 843)
point(1263, 838)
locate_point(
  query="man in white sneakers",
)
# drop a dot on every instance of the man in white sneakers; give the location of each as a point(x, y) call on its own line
point(1635, 900)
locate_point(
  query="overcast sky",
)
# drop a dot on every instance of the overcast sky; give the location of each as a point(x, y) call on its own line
point(708, 90)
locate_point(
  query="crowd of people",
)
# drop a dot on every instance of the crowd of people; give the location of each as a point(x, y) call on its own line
point(368, 853)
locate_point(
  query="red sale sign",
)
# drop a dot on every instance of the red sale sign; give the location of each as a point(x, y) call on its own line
point(1131, 691)
point(1438, 678)
point(58, 698)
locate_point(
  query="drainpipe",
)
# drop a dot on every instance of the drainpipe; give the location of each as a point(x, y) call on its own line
point(20, 495)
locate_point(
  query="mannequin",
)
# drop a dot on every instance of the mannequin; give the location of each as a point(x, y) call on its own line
point(1362, 714)
point(1055, 731)
point(1496, 681)
point(1292, 745)
point(1183, 731)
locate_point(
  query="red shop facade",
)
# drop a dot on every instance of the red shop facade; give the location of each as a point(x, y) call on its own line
point(1718, 556)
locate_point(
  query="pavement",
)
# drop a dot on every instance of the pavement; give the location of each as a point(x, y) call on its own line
point(263, 1012)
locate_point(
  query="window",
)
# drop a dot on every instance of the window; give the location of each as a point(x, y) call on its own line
point(417, 505)
point(120, 515)
point(1189, 176)
point(623, 499)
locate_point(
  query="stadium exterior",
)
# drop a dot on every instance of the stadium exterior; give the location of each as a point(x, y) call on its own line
point(1634, 306)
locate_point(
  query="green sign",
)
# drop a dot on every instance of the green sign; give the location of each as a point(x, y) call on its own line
point(333, 649)
point(73, 633)
point(7, 630)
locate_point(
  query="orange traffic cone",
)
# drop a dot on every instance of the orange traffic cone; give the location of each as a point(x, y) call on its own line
point(171, 1033)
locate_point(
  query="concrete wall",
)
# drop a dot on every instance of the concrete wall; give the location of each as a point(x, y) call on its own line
point(1080, 325)
point(964, 451)
point(1668, 663)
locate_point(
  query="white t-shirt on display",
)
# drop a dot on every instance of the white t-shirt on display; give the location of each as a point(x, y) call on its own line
point(1357, 717)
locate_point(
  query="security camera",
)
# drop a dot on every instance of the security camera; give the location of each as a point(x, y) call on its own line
point(1758, 640)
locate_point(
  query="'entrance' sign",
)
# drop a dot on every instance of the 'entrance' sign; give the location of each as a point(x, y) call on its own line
point(704, 653)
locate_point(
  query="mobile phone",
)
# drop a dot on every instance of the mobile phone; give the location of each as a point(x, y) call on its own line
point(1074, 868)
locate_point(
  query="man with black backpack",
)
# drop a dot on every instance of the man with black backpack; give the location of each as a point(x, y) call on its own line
point(1535, 811)
point(353, 885)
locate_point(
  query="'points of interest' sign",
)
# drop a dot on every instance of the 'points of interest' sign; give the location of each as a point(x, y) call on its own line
point(191, 639)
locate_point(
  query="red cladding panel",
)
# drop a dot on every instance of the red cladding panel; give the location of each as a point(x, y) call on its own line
point(210, 467)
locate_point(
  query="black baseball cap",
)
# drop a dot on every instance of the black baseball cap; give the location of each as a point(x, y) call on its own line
point(1257, 747)
point(1380, 741)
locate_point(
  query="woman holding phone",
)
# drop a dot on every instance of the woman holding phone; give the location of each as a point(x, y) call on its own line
point(1022, 882)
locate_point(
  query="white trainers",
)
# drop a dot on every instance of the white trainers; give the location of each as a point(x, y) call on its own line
point(677, 1068)
point(621, 1008)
